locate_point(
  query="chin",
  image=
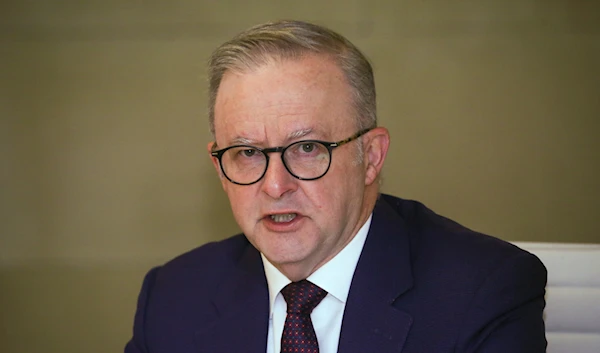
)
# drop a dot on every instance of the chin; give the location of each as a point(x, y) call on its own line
point(284, 257)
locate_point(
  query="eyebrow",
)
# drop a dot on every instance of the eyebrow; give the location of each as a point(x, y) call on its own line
point(240, 141)
point(299, 133)
point(291, 136)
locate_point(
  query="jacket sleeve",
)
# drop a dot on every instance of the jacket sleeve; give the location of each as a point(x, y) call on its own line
point(137, 344)
point(506, 314)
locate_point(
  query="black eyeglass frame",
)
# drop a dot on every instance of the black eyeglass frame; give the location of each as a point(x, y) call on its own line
point(265, 151)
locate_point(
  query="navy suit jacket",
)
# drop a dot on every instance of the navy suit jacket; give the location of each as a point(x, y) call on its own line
point(423, 284)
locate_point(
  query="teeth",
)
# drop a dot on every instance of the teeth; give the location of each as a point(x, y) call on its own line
point(279, 218)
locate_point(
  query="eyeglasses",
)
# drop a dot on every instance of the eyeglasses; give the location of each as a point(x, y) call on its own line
point(304, 160)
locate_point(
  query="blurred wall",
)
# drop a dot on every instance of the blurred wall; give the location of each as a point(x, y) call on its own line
point(493, 108)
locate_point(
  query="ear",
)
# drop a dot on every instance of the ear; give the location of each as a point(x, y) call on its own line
point(376, 148)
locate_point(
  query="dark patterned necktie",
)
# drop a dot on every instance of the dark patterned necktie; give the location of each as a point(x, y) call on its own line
point(298, 332)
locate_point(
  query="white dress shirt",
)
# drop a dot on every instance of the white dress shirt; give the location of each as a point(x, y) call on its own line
point(335, 277)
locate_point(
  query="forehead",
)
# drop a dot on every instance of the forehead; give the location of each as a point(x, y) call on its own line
point(282, 97)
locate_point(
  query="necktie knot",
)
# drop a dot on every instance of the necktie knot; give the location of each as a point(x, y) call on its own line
point(302, 296)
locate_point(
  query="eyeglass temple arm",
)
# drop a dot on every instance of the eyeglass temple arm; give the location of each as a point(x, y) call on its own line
point(349, 139)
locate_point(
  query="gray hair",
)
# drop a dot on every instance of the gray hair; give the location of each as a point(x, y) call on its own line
point(292, 40)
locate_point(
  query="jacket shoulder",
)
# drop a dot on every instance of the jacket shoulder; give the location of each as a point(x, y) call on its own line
point(209, 261)
point(474, 289)
point(437, 240)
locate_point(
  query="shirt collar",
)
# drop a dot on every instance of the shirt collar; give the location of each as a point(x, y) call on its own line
point(335, 276)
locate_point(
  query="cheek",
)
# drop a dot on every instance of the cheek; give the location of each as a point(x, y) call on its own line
point(240, 200)
point(345, 191)
point(326, 197)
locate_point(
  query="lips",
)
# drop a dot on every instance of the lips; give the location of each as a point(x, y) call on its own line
point(283, 221)
point(283, 217)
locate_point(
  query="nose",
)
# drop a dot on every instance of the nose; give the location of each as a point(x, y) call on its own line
point(277, 180)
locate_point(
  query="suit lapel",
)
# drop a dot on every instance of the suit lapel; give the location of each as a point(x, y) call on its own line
point(242, 304)
point(371, 323)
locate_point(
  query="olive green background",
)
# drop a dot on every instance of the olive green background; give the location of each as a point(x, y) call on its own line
point(493, 108)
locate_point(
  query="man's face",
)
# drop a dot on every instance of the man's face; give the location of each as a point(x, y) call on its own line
point(298, 225)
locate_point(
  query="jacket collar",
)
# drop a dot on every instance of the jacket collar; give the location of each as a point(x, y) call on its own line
point(371, 323)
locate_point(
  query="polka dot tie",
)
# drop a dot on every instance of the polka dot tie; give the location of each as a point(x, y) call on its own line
point(298, 332)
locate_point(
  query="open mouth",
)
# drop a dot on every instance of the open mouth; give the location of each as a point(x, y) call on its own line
point(283, 218)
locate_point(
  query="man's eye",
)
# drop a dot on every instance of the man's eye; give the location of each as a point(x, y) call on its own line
point(248, 152)
point(307, 147)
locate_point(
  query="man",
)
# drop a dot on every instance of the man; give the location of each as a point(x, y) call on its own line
point(327, 263)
